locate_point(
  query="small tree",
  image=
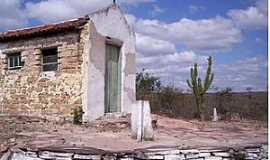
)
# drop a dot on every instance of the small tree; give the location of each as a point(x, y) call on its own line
point(199, 88)
point(146, 84)
point(225, 98)
point(249, 90)
point(168, 99)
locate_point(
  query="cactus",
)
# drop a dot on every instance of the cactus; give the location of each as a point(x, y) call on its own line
point(199, 88)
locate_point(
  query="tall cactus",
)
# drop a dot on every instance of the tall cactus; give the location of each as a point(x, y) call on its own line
point(199, 88)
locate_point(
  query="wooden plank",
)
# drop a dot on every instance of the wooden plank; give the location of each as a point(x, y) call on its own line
point(112, 79)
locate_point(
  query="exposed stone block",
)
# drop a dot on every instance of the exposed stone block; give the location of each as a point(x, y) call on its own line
point(174, 157)
point(86, 157)
point(192, 155)
point(55, 155)
point(189, 151)
point(213, 158)
point(204, 154)
point(221, 154)
point(164, 151)
point(157, 157)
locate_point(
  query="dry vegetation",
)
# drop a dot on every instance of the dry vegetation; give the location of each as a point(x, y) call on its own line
point(170, 100)
point(244, 106)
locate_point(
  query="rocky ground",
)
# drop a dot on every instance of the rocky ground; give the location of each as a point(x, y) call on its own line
point(114, 134)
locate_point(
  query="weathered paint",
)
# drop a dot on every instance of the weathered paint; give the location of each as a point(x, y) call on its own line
point(141, 121)
point(111, 22)
point(96, 74)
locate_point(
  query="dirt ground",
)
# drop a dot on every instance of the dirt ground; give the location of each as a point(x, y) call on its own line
point(34, 132)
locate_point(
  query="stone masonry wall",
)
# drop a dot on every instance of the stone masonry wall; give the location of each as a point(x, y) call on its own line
point(29, 91)
point(71, 153)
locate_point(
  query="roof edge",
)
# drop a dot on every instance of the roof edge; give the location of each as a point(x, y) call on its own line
point(44, 29)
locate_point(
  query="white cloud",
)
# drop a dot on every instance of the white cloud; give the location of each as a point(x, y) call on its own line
point(156, 10)
point(52, 10)
point(194, 9)
point(248, 65)
point(150, 46)
point(135, 1)
point(12, 15)
point(172, 68)
point(254, 17)
point(175, 60)
point(242, 73)
point(262, 5)
point(185, 57)
point(214, 34)
point(175, 68)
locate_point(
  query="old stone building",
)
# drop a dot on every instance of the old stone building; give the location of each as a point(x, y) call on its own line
point(88, 62)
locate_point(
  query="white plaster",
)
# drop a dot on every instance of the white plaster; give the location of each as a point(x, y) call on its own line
point(96, 77)
point(135, 121)
point(50, 75)
point(85, 36)
point(1, 54)
point(215, 115)
point(141, 121)
point(111, 22)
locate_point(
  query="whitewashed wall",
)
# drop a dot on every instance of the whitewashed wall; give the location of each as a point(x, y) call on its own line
point(111, 22)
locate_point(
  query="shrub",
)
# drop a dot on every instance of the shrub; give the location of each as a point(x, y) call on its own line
point(224, 103)
point(146, 84)
point(77, 115)
point(168, 99)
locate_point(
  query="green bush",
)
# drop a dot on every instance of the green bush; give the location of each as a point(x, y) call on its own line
point(146, 84)
point(77, 115)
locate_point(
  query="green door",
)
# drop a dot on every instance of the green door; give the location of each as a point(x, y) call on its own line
point(113, 79)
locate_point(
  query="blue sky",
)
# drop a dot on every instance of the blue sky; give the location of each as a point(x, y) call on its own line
point(174, 34)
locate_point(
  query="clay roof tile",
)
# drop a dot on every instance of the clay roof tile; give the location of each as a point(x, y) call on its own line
point(43, 29)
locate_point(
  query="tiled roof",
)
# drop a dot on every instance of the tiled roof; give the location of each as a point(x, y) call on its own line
point(43, 30)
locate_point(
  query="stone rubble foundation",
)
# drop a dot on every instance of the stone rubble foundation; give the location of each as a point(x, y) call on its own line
point(157, 153)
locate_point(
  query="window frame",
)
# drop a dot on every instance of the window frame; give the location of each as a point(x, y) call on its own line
point(14, 56)
point(43, 52)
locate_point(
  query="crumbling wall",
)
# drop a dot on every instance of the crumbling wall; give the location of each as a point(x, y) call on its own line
point(96, 77)
point(29, 91)
point(111, 22)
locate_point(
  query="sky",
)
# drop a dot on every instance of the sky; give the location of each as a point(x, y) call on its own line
point(172, 35)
